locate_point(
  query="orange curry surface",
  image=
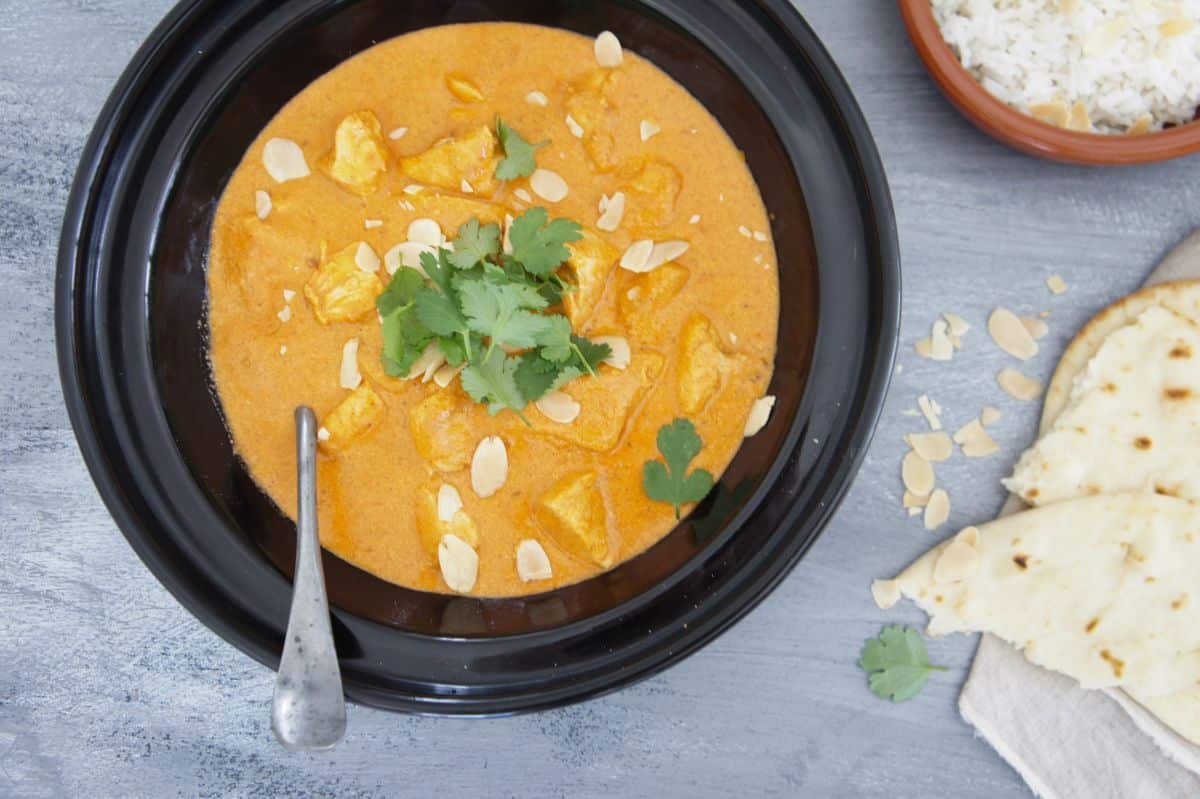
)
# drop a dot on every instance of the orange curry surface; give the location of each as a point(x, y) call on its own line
point(282, 279)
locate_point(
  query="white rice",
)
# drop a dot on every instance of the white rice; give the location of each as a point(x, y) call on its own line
point(1115, 57)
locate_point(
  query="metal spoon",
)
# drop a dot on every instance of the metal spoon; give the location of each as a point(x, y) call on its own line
point(309, 709)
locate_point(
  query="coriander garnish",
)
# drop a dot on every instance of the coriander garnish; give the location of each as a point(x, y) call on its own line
point(897, 663)
point(679, 444)
point(519, 155)
point(479, 305)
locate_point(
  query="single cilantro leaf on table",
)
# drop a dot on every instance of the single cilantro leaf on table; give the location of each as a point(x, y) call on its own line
point(490, 379)
point(678, 443)
point(897, 663)
point(519, 155)
point(538, 245)
point(475, 243)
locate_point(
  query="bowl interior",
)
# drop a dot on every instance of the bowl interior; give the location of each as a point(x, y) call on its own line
point(178, 291)
point(132, 348)
point(1022, 131)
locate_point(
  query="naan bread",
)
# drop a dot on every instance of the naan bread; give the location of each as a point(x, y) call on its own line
point(1131, 422)
point(1100, 589)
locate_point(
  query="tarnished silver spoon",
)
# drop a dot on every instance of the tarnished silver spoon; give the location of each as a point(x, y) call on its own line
point(309, 709)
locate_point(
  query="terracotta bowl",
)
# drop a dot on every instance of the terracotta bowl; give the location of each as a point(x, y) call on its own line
point(1021, 131)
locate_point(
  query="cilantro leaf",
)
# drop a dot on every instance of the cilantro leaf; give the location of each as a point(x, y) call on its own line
point(519, 155)
point(404, 339)
point(475, 243)
point(439, 269)
point(536, 376)
point(455, 349)
point(589, 353)
point(555, 339)
point(439, 313)
point(540, 246)
point(489, 379)
point(897, 663)
point(679, 444)
point(401, 290)
point(504, 313)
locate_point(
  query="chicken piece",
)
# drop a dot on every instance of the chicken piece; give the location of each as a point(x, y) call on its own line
point(359, 157)
point(340, 291)
point(573, 513)
point(448, 163)
point(450, 211)
point(649, 293)
point(590, 264)
point(605, 403)
point(431, 527)
point(588, 104)
point(702, 364)
point(353, 418)
point(445, 428)
point(651, 190)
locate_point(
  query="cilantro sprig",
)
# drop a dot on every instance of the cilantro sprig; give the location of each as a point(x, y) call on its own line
point(519, 155)
point(489, 312)
point(897, 663)
point(670, 482)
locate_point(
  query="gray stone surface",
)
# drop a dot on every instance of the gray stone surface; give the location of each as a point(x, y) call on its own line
point(109, 689)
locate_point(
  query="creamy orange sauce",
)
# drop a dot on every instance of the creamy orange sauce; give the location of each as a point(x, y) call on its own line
point(371, 487)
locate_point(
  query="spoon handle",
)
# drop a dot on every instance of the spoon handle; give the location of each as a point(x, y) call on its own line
point(309, 709)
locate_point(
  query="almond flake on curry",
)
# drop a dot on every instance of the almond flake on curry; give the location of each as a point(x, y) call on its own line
point(537, 98)
point(608, 50)
point(449, 502)
point(937, 510)
point(621, 355)
point(558, 406)
point(459, 563)
point(1018, 386)
point(917, 474)
point(665, 251)
point(648, 129)
point(413, 188)
point(760, 414)
point(612, 211)
point(284, 160)
point(744, 231)
point(933, 447)
point(322, 434)
point(522, 195)
point(285, 313)
point(371, 224)
point(489, 466)
point(637, 255)
point(425, 231)
point(1010, 334)
point(532, 561)
point(694, 219)
point(974, 440)
point(397, 133)
point(548, 185)
point(288, 295)
point(366, 258)
point(445, 375)
point(348, 376)
point(262, 204)
point(574, 127)
point(466, 187)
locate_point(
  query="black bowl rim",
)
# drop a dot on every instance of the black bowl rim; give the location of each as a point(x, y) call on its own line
point(875, 196)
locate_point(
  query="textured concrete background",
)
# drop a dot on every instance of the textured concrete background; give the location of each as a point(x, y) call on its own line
point(109, 689)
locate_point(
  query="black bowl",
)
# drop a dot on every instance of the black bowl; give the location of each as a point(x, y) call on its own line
point(132, 343)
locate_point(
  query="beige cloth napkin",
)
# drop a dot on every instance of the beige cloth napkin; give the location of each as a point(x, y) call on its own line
point(1068, 743)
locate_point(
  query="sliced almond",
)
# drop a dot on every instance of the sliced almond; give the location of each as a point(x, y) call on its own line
point(1056, 284)
point(940, 346)
point(1036, 327)
point(548, 184)
point(449, 502)
point(465, 187)
point(931, 411)
point(573, 126)
point(506, 242)
point(760, 414)
point(459, 563)
point(664, 252)
point(537, 98)
point(397, 133)
point(933, 447)
point(744, 231)
point(924, 348)
point(1018, 386)
point(1175, 27)
point(407, 253)
point(285, 313)
point(523, 195)
point(1053, 113)
point(1104, 36)
point(1141, 125)
point(694, 219)
point(413, 189)
point(620, 354)
point(559, 406)
point(489, 466)
point(989, 416)
point(1010, 334)
point(957, 325)
point(974, 440)
point(608, 50)
point(612, 210)
point(288, 295)
point(959, 559)
point(648, 129)
point(366, 258)
point(938, 509)
point(427, 363)
point(637, 256)
point(886, 593)
point(284, 160)
point(322, 434)
point(1079, 120)
point(532, 561)
point(445, 374)
point(262, 204)
point(371, 224)
point(917, 474)
point(425, 231)
point(349, 377)
point(911, 500)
